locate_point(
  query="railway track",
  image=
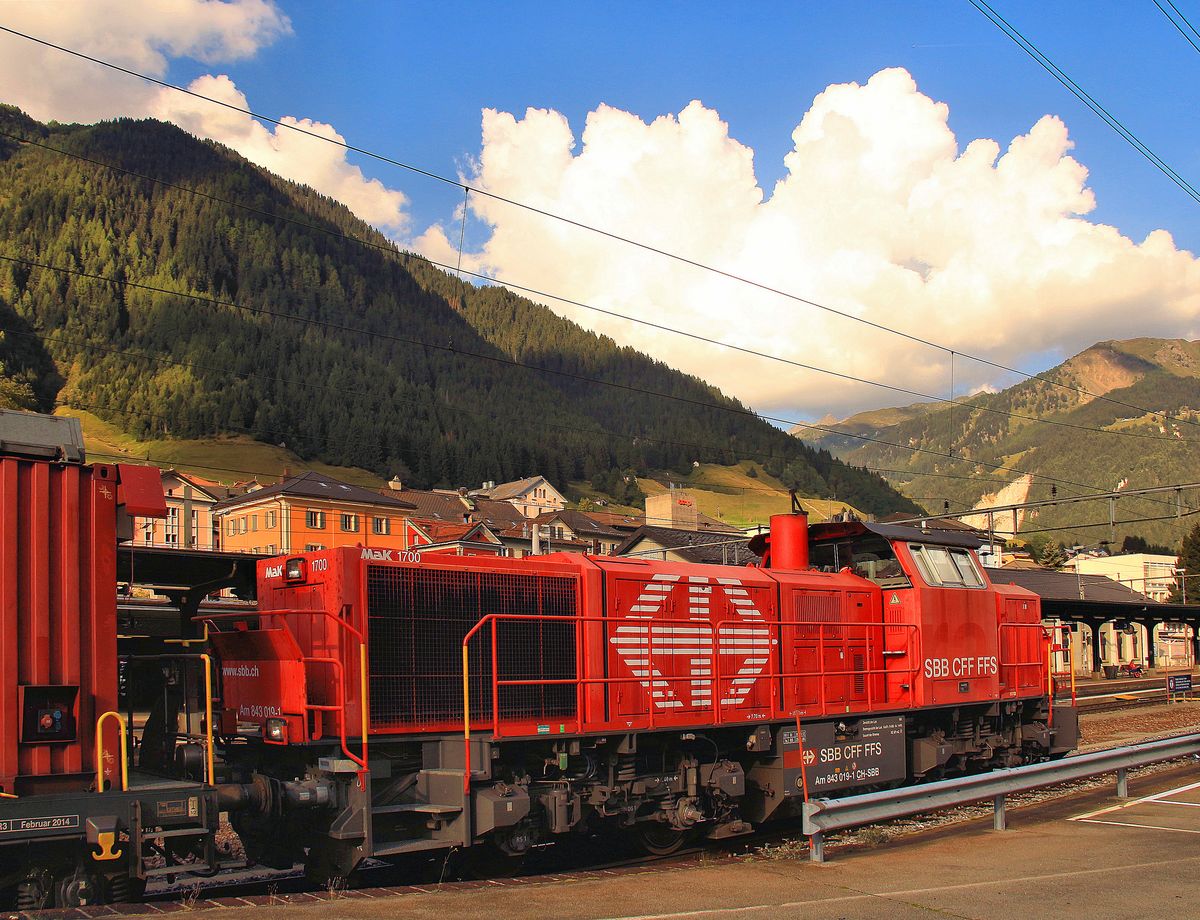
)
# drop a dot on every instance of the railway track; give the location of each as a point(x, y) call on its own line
point(583, 855)
point(1110, 696)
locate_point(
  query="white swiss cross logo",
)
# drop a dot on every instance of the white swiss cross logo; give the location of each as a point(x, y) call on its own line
point(647, 647)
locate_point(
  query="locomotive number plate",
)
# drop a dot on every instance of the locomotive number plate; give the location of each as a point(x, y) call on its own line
point(866, 752)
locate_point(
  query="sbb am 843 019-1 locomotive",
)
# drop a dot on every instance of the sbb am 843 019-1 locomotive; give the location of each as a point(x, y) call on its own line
point(497, 703)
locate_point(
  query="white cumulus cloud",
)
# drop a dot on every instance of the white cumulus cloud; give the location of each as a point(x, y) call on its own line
point(144, 36)
point(880, 214)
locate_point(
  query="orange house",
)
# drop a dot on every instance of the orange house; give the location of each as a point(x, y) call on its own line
point(311, 512)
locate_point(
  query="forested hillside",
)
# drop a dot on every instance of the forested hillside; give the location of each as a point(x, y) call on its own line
point(1099, 443)
point(350, 354)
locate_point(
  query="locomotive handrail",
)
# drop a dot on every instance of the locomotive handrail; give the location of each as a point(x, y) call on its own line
point(870, 634)
point(340, 709)
point(362, 661)
point(124, 735)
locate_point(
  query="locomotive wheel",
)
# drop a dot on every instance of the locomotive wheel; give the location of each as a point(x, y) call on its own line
point(124, 889)
point(33, 893)
point(659, 839)
point(79, 889)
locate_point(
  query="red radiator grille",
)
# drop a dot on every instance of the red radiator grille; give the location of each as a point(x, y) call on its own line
point(417, 618)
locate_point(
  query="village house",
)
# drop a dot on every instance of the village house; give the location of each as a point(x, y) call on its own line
point(675, 530)
point(578, 527)
point(310, 512)
point(190, 522)
point(531, 496)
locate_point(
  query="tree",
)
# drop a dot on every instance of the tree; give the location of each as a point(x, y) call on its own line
point(1189, 561)
point(1054, 556)
point(1135, 544)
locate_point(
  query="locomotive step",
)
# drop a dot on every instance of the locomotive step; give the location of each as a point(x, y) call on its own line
point(178, 832)
point(423, 808)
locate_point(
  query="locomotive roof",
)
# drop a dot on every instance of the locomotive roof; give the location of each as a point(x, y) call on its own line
point(838, 530)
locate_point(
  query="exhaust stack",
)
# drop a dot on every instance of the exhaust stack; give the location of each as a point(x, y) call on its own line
point(788, 544)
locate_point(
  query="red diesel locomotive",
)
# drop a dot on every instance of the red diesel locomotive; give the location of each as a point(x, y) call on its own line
point(443, 701)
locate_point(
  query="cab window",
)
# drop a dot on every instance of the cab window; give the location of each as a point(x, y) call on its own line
point(946, 566)
point(869, 557)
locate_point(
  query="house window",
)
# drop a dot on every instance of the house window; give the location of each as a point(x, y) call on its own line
point(381, 525)
point(172, 537)
point(242, 524)
point(315, 520)
point(254, 523)
point(195, 528)
point(270, 520)
point(312, 547)
point(350, 523)
point(148, 532)
point(271, 550)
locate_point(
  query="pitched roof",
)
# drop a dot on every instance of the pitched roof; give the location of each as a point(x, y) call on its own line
point(523, 531)
point(627, 523)
point(497, 515)
point(316, 485)
point(1067, 586)
point(618, 520)
point(515, 489)
point(449, 531)
point(434, 505)
point(217, 490)
point(692, 545)
point(580, 522)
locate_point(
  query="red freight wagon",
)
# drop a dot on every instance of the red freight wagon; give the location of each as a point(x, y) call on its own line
point(58, 614)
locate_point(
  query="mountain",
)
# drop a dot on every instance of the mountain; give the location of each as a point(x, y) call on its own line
point(1099, 444)
point(311, 331)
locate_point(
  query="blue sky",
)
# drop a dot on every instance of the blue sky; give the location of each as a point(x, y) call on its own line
point(881, 213)
point(411, 79)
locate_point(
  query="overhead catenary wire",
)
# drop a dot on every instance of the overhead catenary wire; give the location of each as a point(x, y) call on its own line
point(1083, 96)
point(308, 384)
point(734, 408)
point(1190, 28)
point(459, 271)
point(467, 188)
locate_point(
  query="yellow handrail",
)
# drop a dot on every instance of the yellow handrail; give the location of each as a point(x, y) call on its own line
point(208, 718)
point(100, 750)
point(466, 720)
point(362, 695)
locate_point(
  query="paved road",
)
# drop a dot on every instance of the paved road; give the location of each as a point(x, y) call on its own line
point(1091, 857)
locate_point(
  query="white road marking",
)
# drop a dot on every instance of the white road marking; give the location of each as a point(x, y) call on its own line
point(907, 892)
point(1130, 804)
point(1152, 827)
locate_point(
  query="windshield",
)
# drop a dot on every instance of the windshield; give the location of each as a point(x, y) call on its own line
point(946, 566)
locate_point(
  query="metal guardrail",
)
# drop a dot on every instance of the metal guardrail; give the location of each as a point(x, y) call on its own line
point(824, 815)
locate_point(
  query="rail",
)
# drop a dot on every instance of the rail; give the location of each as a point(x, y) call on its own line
point(363, 699)
point(822, 816)
point(124, 734)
